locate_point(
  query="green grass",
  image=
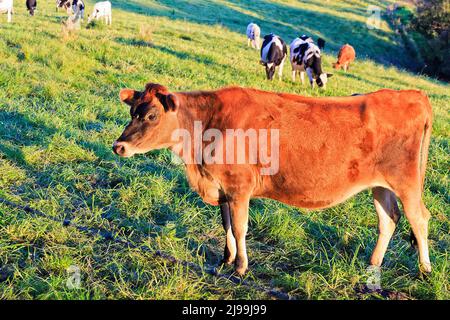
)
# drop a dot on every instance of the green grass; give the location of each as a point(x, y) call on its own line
point(60, 113)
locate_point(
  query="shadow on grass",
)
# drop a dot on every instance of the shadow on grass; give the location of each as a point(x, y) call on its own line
point(133, 42)
point(18, 130)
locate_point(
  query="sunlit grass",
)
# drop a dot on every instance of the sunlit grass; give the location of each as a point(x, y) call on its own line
point(59, 114)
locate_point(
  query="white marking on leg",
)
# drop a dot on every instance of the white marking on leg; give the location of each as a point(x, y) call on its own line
point(280, 68)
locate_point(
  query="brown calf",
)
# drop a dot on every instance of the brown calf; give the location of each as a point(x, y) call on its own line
point(345, 57)
point(329, 149)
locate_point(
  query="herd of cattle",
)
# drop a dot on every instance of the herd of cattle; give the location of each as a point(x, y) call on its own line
point(305, 56)
point(101, 9)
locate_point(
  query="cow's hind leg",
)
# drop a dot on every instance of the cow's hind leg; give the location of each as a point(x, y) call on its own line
point(388, 216)
point(239, 225)
point(418, 216)
point(229, 254)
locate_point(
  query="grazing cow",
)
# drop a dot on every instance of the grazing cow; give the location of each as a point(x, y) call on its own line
point(78, 8)
point(6, 6)
point(321, 43)
point(326, 150)
point(273, 55)
point(253, 35)
point(308, 55)
point(31, 6)
point(65, 4)
point(102, 10)
point(295, 58)
point(345, 57)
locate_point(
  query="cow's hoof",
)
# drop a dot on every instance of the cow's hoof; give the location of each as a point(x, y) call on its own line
point(240, 271)
point(425, 269)
point(227, 261)
point(240, 267)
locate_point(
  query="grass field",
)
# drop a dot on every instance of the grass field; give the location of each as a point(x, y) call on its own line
point(60, 113)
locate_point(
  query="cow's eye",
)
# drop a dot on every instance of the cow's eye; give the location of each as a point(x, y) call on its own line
point(152, 117)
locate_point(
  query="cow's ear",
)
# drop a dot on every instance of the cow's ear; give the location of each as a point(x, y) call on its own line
point(128, 96)
point(170, 102)
point(329, 75)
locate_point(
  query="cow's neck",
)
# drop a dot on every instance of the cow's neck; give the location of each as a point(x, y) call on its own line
point(195, 107)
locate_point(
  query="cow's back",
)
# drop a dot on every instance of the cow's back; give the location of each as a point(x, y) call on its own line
point(346, 54)
point(329, 148)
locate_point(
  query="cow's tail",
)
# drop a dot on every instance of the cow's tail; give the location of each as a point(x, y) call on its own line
point(426, 142)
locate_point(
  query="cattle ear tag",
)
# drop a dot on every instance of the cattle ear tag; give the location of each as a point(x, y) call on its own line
point(127, 96)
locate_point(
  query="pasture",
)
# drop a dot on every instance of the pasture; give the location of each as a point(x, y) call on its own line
point(60, 113)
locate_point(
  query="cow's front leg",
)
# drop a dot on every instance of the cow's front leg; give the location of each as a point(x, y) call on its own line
point(310, 76)
point(229, 253)
point(239, 225)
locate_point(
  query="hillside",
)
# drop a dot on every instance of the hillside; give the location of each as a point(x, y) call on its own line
point(60, 113)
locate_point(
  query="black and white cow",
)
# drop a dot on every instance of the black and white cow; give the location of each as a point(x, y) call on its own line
point(307, 55)
point(65, 4)
point(273, 55)
point(296, 63)
point(31, 6)
point(78, 8)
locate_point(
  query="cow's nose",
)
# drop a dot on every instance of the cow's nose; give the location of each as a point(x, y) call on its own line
point(118, 148)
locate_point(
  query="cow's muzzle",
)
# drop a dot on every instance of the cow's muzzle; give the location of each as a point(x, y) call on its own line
point(119, 148)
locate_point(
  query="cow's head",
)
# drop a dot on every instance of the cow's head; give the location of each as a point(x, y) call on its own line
point(270, 69)
point(322, 79)
point(320, 76)
point(336, 65)
point(94, 15)
point(153, 119)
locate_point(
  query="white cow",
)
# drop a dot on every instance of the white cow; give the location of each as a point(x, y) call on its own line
point(102, 9)
point(253, 35)
point(6, 6)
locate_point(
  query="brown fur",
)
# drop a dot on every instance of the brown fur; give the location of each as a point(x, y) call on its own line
point(346, 56)
point(330, 149)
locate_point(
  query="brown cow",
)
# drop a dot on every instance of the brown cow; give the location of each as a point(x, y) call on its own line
point(345, 57)
point(329, 149)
